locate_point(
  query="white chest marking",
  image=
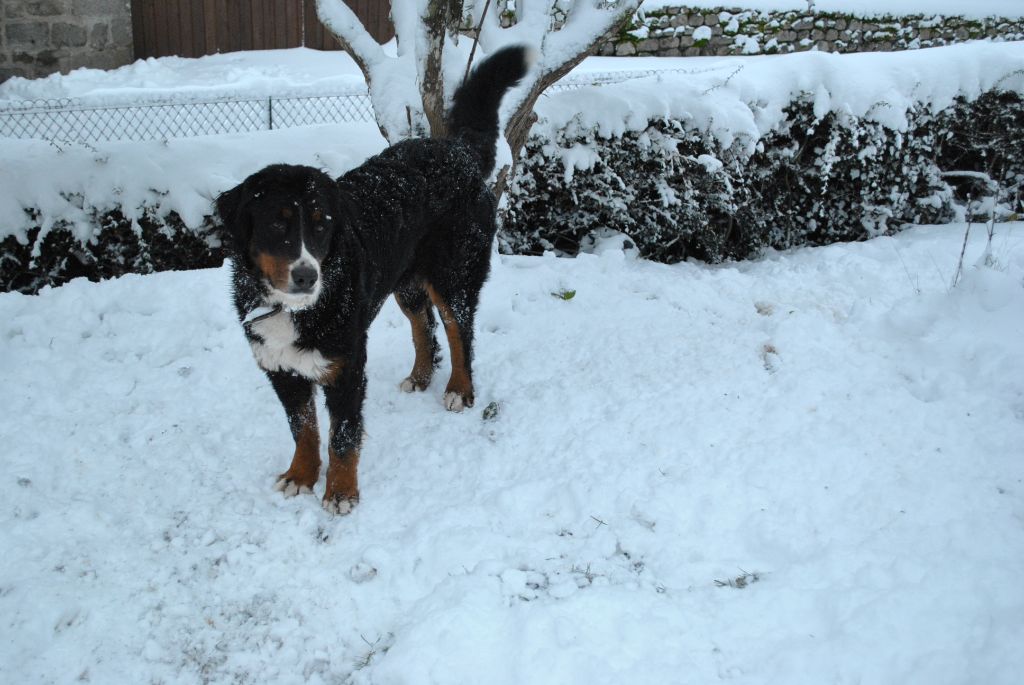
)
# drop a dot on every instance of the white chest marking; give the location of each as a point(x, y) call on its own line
point(278, 352)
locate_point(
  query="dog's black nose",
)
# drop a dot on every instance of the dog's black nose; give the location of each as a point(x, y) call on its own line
point(304, 278)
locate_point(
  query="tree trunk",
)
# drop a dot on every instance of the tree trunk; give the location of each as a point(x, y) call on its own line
point(443, 19)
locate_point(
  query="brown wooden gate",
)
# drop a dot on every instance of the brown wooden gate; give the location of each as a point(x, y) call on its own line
point(193, 28)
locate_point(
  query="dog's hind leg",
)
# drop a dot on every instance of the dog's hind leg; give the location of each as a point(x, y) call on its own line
point(457, 304)
point(415, 304)
point(298, 394)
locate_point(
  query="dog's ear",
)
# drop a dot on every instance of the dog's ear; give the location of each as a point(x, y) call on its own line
point(237, 223)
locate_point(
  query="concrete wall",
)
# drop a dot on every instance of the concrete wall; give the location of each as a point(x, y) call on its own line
point(40, 37)
point(722, 31)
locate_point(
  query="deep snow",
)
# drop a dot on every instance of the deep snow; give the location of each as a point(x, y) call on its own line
point(837, 421)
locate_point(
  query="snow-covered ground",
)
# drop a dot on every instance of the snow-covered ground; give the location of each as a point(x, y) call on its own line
point(837, 427)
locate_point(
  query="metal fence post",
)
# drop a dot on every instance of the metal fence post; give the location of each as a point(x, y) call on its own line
point(270, 113)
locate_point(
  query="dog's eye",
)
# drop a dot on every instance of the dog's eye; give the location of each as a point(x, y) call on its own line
point(319, 228)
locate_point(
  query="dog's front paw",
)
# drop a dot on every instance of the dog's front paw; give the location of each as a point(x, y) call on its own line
point(290, 487)
point(339, 504)
point(413, 384)
point(456, 401)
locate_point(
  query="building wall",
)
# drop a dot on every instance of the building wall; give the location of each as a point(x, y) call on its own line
point(722, 31)
point(40, 37)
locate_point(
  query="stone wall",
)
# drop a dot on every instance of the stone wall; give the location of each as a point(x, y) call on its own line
point(689, 31)
point(40, 37)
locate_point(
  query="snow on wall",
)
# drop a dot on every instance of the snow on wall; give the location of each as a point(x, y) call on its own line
point(863, 8)
point(690, 31)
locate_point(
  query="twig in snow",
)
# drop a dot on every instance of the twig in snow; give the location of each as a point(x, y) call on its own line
point(963, 248)
point(741, 581)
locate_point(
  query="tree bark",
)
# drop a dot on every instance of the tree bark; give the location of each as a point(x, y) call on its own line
point(443, 19)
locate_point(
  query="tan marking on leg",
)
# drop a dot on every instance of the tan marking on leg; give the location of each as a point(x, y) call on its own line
point(333, 371)
point(275, 269)
point(305, 468)
point(422, 339)
point(460, 382)
point(342, 482)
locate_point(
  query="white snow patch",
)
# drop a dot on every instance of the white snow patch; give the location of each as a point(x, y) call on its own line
point(871, 478)
point(702, 33)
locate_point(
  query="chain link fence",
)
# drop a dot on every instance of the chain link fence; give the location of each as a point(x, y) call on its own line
point(187, 116)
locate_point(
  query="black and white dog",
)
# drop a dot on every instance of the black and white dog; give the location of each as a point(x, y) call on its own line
point(315, 258)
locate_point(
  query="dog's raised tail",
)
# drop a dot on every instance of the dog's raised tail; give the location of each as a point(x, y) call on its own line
point(474, 113)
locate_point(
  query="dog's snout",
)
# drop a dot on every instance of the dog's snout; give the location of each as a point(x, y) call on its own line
point(304, 277)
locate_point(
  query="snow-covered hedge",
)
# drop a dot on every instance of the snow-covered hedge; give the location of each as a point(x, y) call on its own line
point(677, 193)
point(721, 166)
point(715, 163)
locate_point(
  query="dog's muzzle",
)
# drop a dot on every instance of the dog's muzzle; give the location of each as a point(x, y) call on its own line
point(303, 279)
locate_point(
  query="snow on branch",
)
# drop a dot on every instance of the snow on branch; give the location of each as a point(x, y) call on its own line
point(354, 38)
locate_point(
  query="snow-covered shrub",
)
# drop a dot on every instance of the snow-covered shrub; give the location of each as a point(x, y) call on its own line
point(678, 193)
point(118, 247)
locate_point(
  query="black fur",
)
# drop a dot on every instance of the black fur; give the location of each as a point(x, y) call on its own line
point(417, 221)
point(474, 113)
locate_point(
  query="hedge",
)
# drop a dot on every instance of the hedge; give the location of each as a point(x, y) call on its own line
point(673, 190)
point(677, 194)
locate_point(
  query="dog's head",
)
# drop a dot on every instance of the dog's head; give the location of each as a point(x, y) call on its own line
point(282, 220)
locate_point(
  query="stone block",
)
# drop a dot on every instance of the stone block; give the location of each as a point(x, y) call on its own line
point(46, 8)
point(692, 52)
point(625, 48)
point(666, 43)
point(97, 8)
point(44, 58)
point(695, 20)
point(99, 36)
point(27, 34)
point(102, 59)
point(710, 19)
point(121, 31)
point(67, 35)
point(831, 34)
point(672, 52)
point(11, 72)
point(648, 45)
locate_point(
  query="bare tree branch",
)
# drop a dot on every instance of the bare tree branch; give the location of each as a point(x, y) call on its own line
point(609, 22)
point(342, 22)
